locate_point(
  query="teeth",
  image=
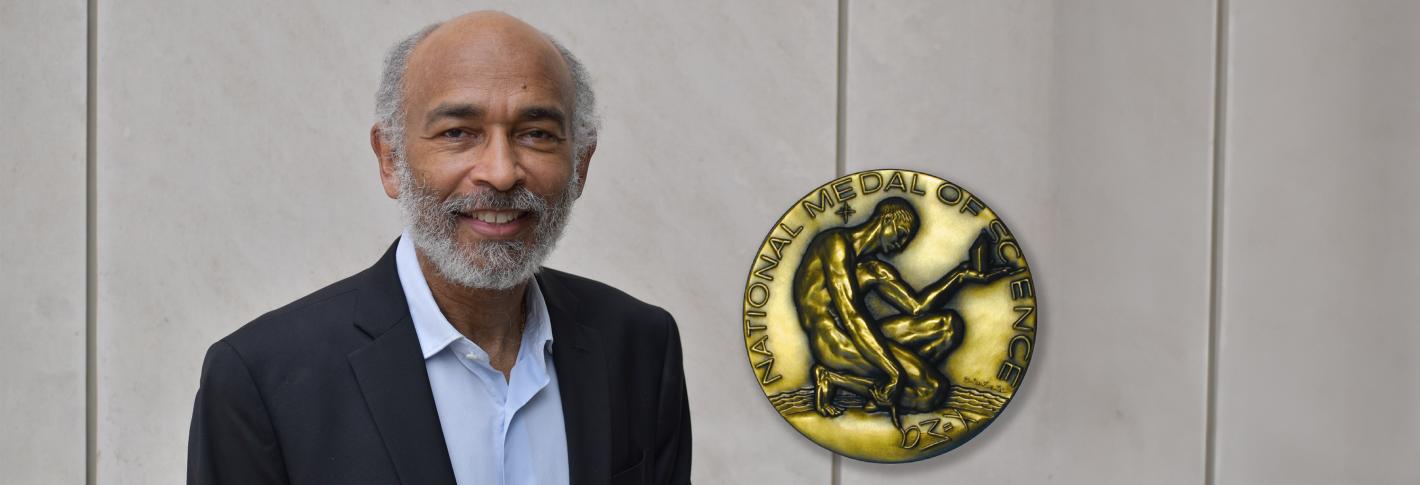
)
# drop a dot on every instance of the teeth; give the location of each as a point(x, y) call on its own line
point(496, 217)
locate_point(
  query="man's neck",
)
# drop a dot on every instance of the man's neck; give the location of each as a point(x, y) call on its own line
point(492, 319)
point(862, 239)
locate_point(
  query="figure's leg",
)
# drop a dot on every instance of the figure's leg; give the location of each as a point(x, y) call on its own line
point(922, 386)
point(826, 381)
point(918, 344)
point(838, 364)
point(931, 335)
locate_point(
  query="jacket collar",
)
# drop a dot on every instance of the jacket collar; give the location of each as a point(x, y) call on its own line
point(390, 372)
point(382, 303)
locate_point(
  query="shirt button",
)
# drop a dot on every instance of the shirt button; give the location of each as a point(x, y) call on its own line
point(474, 357)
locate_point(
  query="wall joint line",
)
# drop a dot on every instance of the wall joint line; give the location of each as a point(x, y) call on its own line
point(1215, 263)
point(91, 450)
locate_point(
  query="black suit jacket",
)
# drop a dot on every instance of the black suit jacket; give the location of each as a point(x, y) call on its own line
point(332, 389)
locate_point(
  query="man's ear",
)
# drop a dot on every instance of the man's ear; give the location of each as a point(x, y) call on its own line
point(385, 153)
point(583, 164)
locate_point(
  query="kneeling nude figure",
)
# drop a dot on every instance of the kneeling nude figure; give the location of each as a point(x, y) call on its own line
point(893, 362)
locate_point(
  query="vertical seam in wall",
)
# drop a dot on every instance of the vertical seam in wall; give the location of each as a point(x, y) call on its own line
point(839, 118)
point(90, 248)
point(1220, 105)
point(840, 163)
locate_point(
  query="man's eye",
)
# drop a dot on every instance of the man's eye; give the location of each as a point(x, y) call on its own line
point(454, 134)
point(538, 138)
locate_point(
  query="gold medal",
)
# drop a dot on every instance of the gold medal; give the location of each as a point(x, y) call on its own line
point(889, 316)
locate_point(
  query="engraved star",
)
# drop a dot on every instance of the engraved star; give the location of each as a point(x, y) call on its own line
point(845, 211)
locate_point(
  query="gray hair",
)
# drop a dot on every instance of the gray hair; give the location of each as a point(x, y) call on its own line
point(390, 110)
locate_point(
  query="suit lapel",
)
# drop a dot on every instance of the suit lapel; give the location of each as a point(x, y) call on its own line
point(580, 363)
point(392, 377)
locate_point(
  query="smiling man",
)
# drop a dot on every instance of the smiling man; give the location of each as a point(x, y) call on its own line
point(456, 358)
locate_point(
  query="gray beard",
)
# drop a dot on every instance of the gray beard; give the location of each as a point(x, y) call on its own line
point(497, 265)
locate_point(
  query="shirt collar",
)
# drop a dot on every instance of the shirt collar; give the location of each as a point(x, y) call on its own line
point(434, 330)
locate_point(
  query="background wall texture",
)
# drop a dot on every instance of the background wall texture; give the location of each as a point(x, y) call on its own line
point(1215, 197)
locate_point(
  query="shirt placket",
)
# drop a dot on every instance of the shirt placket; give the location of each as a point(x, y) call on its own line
point(477, 363)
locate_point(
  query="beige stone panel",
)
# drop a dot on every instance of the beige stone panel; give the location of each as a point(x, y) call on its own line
point(1316, 367)
point(1086, 126)
point(42, 233)
point(235, 176)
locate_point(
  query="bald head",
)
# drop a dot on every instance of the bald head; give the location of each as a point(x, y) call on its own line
point(483, 45)
point(485, 48)
point(486, 38)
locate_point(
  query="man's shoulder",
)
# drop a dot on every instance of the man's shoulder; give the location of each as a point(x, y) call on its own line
point(321, 320)
point(587, 289)
point(639, 338)
point(604, 306)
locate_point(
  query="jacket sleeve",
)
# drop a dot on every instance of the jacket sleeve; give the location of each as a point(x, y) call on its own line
point(231, 440)
point(672, 454)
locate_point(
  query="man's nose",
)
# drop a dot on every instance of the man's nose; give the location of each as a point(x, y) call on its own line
point(496, 165)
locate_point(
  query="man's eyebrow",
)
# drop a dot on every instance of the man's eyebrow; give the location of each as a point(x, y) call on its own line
point(460, 111)
point(532, 113)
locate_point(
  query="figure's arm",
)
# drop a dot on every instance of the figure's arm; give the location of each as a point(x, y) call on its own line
point(231, 440)
point(882, 277)
point(935, 293)
point(841, 285)
point(896, 292)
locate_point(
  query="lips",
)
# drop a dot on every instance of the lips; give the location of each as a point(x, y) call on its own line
point(496, 224)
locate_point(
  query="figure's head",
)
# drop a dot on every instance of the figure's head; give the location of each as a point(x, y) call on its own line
point(485, 130)
point(893, 223)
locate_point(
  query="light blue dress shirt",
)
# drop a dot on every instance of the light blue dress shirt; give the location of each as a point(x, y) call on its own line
point(497, 432)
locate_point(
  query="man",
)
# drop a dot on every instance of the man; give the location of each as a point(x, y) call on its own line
point(893, 362)
point(454, 359)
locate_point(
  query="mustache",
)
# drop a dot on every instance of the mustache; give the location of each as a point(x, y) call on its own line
point(519, 198)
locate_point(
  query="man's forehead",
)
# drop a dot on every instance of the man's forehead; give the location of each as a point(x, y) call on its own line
point(486, 47)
